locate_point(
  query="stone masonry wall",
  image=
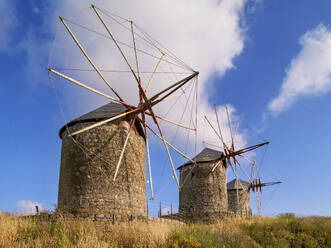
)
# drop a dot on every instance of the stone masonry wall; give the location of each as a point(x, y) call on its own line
point(87, 169)
point(239, 204)
point(203, 197)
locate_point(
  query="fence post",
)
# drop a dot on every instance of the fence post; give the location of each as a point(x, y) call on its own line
point(170, 211)
point(160, 209)
point(37, 210)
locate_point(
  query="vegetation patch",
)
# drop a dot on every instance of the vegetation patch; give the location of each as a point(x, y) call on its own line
point(284, 231)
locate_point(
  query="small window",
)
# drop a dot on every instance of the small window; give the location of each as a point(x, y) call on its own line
point(192, 174)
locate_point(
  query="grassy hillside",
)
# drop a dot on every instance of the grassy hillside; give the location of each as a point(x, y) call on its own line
point(283, 231)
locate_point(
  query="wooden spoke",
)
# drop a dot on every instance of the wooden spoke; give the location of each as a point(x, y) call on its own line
point(135, 49)
point(248, 160)
point(174, 96)
point(86, 87)
point(212, 170)
point(214, 129)
point(211, 144)
point(183, 155)
point(123, 149)
point(219, 128)
point(243, 170)
point(105, 121)
point(172, 122)
point(236, 130)
point(112, 37)
point(230, 125)
point(178, 85)
point(122, 53)
point(151, 77)
point(250, 148)
point(150, 180)
point(89, 59)
point(169, 156)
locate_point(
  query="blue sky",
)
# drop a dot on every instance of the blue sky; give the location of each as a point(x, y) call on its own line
point(271, 49)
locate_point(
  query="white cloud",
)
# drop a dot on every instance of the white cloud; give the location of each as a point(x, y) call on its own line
point(309, 73)
point(7, 24)
point(28, 207)
point(205, 34)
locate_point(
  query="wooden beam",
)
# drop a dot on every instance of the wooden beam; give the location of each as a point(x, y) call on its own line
point(88, 58)
point(123, 149)
point(170, 144)
point(172, 122)
point(151, 77)
point(105, 121)
point(179, 84)
point(218, 135)
point(86, 87)
point(148, 159)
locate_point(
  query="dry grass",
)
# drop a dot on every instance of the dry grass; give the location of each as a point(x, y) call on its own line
point(283, 231)
point(32, 232)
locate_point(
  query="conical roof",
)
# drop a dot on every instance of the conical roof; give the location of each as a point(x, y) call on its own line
point(106, 111)
point(241, 184)
point(206, 155)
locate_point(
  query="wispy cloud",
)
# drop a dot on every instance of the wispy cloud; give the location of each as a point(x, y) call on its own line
point(7, 24)
point(28, 207)
point(309, 73)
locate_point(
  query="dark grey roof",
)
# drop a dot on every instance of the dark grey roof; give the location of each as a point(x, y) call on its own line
point(240, 185)
point(106, 111)
point(206, 155)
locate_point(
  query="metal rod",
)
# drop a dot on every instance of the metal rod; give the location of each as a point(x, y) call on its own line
point(88, 58)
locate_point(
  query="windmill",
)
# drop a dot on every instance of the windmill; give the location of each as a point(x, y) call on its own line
point(175, 84)
point(256, 185)
point(232, 155)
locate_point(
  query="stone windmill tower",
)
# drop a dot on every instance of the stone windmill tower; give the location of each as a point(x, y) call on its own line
point(88, 164)
point(239, 197)
point(203, 196)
